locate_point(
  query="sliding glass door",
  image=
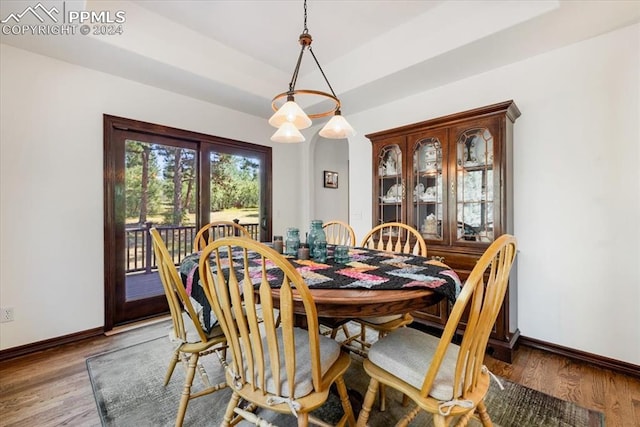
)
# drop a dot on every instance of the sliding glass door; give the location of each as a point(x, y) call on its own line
point(175, 181)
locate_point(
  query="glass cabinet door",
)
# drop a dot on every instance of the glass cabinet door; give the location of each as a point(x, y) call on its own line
point(427, 181)
point(475, 184)
point(391, 189)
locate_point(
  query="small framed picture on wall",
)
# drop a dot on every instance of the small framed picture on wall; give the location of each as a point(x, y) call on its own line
point(330, 179)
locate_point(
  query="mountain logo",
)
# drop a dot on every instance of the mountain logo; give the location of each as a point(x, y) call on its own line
point(37, 11)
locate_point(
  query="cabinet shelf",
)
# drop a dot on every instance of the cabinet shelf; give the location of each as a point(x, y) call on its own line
point(428, 174)
point(475, 166)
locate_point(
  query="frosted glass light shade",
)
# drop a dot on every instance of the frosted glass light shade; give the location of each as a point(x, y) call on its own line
point(287, 132)
point(292, 113)
point(337, 128)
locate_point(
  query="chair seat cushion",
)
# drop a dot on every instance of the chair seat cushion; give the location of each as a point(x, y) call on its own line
point(407, 354)
point(379, 320)
point(329, 353)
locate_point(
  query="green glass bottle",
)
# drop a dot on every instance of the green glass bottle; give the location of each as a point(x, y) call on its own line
point(317, 241)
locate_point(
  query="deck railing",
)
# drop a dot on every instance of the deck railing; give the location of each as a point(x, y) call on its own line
point(179, 241)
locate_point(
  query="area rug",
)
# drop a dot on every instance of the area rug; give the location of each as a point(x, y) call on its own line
point(128, 388)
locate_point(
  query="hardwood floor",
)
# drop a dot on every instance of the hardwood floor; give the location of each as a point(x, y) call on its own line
point(52, 387)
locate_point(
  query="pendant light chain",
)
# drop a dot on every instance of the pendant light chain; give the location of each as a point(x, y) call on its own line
point(306, 30)
point(307, 44)
point(294, 77)
point(289, 118)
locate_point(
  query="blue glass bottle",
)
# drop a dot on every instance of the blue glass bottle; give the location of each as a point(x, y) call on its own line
point(293, 242)
point(316, 234)
point(320, 250)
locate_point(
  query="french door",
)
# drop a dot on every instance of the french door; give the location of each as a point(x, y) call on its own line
point(177, 181)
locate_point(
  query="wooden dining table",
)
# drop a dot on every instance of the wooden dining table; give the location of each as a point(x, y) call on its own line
point(371, 283)
point(354, 303)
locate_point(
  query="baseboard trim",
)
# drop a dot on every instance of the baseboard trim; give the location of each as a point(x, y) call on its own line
point(593, 359)
point(23, 350)
point(135, 325)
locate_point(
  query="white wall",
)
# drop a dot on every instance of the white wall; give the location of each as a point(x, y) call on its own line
point(318, 154)
point(577, 185)
point(331, 155)
point(51, 181)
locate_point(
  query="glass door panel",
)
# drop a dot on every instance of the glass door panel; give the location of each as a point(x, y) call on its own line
point(236, 190)
point(428, 188)
point(390, 184)
point(474, 175)
point(160, 191)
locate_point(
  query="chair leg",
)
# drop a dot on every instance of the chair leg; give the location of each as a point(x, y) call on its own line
point(303, 419)
point(334, 332)
point(383, 389)
point(345, 330)
point(363, 336)
point(172, 366)
point(203, 374)
point(228, 415)
point(186, 390)
point(253, 418)
point(346, 403)
point(405, 400)
point(372, 390)
point(439, 420)
point(481, 409)
point(404, 421)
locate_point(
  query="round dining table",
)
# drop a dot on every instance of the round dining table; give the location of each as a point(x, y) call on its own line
point(373, 283)
point(354, 303)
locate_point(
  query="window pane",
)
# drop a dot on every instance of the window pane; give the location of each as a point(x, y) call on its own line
point(235, 190)
point(159, 191)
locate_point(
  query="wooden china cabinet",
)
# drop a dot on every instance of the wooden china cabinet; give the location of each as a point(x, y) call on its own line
point(451, 179)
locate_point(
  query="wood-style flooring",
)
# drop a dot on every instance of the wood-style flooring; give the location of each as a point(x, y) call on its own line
point(52, 387)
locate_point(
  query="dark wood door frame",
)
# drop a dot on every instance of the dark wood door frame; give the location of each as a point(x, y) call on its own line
point(113, 128)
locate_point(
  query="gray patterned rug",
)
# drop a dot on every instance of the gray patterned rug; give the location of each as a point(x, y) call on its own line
point(127, 386)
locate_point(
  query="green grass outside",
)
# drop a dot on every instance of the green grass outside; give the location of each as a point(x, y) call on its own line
point(245, 215)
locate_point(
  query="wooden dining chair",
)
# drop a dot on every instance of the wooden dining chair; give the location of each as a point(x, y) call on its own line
point(339, 233)
point(193, 341)
point(276, 366)
point(391, 237)
point(215, 230)
point(395, 237)
point(444, 379)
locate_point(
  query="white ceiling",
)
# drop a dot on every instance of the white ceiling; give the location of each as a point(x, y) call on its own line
point(240, 53)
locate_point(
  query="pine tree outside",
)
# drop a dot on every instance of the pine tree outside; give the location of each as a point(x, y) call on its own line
point(160, 189)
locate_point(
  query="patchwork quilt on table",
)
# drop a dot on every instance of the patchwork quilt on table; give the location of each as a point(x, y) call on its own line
point(366, 269)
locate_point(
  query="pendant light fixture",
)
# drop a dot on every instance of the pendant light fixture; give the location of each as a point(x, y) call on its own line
point(289, 118)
